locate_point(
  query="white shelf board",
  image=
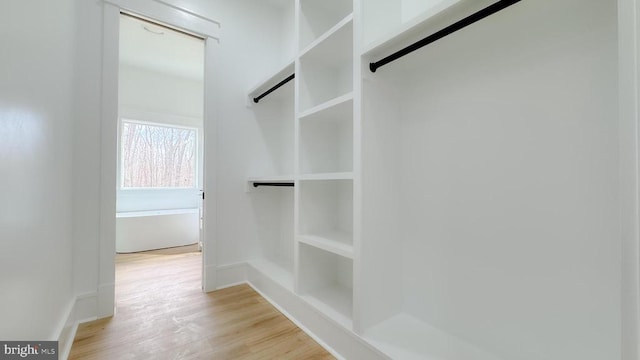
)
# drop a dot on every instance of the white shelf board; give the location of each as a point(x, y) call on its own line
point(328, 34)
point(433, 19)
point(335, 104)
point(275, 271)
point(274, 178)
point(336, 302)
point(405, 337)
point(279, 75)
point(327, 176)
point(336, 242)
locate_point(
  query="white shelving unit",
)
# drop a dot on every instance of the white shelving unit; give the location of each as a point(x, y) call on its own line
point(420, 223)
point(325, 130)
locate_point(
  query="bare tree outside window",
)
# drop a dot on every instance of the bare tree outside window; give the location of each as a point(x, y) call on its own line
point(155, 156)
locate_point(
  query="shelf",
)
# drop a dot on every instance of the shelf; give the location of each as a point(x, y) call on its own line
point(327, 176)
point(405, 337)
point(275, 179)
point(271, 80)
point(326, 67)
point(335, 302)
point(275, 271)
point(334, 33)
point(318, 18)
point(337, 242)
point(337, 104)
point(433, 17)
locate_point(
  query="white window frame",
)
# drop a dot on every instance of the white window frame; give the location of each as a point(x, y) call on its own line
point(196, 167)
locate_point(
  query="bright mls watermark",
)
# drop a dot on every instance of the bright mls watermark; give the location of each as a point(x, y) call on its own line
point(35, 350)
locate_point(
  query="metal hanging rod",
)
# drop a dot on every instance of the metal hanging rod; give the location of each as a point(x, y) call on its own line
point(256, 184)
point(475, 17)
point(276, 86)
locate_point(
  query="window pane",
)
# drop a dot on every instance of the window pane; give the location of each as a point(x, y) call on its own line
point(157, 156)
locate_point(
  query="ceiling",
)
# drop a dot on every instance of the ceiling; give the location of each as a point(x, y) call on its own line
point(157, 48)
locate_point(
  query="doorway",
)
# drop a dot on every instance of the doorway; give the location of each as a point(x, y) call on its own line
point(159, 211)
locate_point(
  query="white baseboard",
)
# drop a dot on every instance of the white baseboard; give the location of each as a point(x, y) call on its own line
point(229, 275)
point(106, 300)
point(81, 309)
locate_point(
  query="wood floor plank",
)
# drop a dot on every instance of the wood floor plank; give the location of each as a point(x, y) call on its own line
point(163, 314)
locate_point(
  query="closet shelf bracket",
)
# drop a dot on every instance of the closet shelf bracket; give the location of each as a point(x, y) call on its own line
point(473, 18)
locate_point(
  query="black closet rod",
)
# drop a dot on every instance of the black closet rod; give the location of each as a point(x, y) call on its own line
point(489, 10)
point(256, 184)
point(275, 87)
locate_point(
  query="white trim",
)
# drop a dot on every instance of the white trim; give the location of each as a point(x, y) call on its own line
point(75, 314)
point(197, 149)
point(172, 15)
point(629, 71)
point(187, 11)
point(108, 160)
point(129, 112)
point(85, 307)
point(228, 275)
point(64, 346)
point(182, 19)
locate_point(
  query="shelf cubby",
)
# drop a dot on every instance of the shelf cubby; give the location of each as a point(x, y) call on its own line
point(317, 17)
point(326, 139)
point(326, 67)
point(326, 210)
point(326, 282)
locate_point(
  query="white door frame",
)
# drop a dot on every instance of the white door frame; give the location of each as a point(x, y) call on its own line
point(629, 70)
point(188, 21)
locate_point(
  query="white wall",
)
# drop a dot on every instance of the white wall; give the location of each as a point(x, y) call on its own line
point(155, 92)
point(168, 99)
point(36, 129)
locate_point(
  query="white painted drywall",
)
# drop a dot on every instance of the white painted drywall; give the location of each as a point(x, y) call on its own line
point(36, 130)
point(155, 92)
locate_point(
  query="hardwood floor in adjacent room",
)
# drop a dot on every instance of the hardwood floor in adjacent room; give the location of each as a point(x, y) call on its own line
point(163, 314)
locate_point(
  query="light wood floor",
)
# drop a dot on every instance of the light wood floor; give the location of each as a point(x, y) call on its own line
point(163, 314)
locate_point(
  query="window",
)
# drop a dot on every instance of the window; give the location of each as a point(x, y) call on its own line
point(157, 156)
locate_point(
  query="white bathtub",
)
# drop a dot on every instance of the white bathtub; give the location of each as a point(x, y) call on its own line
point(158, 229)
